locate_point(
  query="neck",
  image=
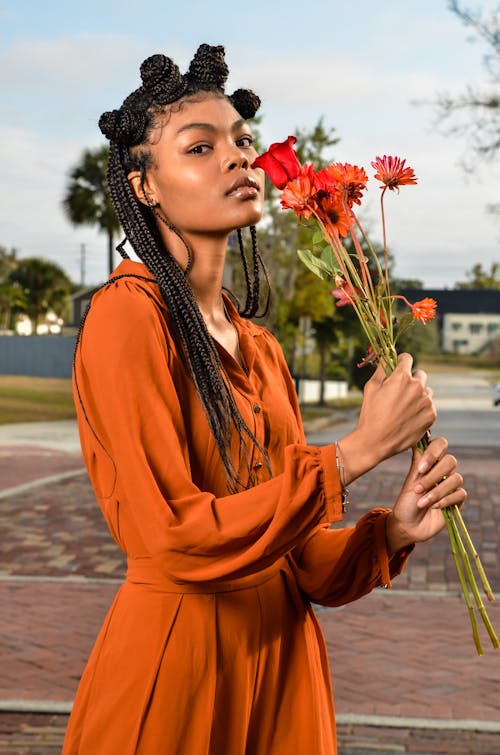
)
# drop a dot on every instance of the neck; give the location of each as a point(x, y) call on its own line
point(207, 270)
point(206, 275)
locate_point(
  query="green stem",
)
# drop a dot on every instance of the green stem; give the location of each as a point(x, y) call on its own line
point(472, 580)
point(463, 582)
point(470, 545)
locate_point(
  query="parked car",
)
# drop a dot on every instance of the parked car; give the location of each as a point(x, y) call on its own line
point(496, 394)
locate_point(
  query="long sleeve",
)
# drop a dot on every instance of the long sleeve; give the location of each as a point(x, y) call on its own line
point(136, 444)
point(336, 566)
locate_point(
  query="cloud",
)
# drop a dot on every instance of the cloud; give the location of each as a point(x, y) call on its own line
point(54, 91)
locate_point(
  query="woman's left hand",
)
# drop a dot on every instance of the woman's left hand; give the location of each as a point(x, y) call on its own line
point(432, 484)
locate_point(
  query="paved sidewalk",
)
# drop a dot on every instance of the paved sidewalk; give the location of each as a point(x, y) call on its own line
point(406, 675)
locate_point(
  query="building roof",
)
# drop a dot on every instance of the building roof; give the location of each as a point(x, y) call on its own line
point(458, 301)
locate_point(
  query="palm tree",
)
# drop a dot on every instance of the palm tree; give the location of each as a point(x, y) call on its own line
point(43, 285)
point(87, 200)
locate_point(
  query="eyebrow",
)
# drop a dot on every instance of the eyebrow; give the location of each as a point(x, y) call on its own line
point(208, 126)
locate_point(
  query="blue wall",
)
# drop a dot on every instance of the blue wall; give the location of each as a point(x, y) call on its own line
point(40, 356)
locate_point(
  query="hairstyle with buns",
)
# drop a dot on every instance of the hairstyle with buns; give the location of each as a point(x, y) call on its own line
point(129, 129)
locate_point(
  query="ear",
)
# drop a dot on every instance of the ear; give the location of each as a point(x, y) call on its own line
point(142, 191)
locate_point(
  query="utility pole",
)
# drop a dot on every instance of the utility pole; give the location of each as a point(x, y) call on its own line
point(82, 265)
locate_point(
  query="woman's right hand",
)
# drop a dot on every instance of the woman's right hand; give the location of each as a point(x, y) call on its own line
point(396, 412)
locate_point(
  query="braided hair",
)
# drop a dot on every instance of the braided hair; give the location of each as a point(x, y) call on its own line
point(128, 130)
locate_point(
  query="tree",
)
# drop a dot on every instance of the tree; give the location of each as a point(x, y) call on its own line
point(302, 304)
point(480, 278)
point(10, 296)
point(475, 113)
point(297, 294)
point(44, 286)
point(87, 200)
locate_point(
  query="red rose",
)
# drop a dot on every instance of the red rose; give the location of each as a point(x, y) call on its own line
point(280, 162)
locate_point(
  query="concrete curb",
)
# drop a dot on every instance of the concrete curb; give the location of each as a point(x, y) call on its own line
point(401, 722)
point(343, 719)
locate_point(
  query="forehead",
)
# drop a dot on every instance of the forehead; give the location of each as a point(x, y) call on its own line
point(208, 109)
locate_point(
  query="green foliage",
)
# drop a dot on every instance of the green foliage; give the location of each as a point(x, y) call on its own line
point(481, 278)
point(87, 200)
point(43, 286)
point(11, 298)
point(420, 339)
point(313, 146)
point(296, 293)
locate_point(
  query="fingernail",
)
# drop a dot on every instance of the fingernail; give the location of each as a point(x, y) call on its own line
point(418, 488)
point(423, 501)
point(423, 467)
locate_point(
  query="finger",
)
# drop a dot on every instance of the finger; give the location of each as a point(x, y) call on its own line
point(432, 454)
point(441, 492)
point(456, 498)
point(421, 376)
point(441, 471)
point(405, 362)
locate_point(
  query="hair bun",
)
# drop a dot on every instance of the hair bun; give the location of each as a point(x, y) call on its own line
point(124, 126)
point(162, 79)
point(245, 102)
point(208, 68)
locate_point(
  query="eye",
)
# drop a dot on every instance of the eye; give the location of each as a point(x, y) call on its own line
point(199, 149)
point(245, 141)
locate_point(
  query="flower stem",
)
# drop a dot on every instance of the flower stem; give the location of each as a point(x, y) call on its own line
point(455, 524)
point(461, 576)
point(477, 561)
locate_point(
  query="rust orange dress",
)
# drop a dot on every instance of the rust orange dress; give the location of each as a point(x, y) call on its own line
point(211, 646)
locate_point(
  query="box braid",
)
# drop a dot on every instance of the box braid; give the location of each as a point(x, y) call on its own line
point(128, 129)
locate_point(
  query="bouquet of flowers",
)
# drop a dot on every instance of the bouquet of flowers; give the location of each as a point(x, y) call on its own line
point(327, 198)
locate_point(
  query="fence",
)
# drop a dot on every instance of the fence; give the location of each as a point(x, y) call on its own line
point(38, 356)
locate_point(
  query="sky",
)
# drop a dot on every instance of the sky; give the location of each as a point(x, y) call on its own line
point(368, 68)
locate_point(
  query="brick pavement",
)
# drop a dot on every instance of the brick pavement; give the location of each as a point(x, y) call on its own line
point(412, 655)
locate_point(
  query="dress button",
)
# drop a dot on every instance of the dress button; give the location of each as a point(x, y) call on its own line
point(256, 408)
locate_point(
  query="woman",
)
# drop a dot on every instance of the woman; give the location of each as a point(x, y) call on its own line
point(192, 437)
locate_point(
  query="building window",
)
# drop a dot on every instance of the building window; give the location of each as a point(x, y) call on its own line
point(456, 325)
point(475, 327)
point(492, 326)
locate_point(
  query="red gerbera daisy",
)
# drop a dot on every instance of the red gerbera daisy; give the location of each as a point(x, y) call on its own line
point(349, 179)
point(298, 194)
point(332, 212)
point(392, 173)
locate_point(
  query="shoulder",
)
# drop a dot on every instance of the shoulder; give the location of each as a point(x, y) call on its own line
point(130, 295)
point(126, 313)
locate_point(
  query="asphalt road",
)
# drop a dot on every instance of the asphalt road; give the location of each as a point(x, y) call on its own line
point(466, 415)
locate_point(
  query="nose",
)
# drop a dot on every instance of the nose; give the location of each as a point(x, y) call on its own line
point(235, 158)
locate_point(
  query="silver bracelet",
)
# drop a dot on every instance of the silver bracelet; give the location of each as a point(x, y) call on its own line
point(341, 471)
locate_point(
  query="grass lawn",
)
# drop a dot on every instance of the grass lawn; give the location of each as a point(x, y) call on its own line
point(34, 399)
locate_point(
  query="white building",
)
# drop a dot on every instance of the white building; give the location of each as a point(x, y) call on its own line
point(468, 319)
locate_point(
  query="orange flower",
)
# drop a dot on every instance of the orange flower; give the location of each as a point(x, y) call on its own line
point(349, 180)
point(392, 172)
point(424, 310)
point(298, 195)
point(332, 212)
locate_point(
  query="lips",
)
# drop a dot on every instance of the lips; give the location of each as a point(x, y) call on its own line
point(245, 182)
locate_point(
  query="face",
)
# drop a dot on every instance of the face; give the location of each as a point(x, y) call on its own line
point(201, 176)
